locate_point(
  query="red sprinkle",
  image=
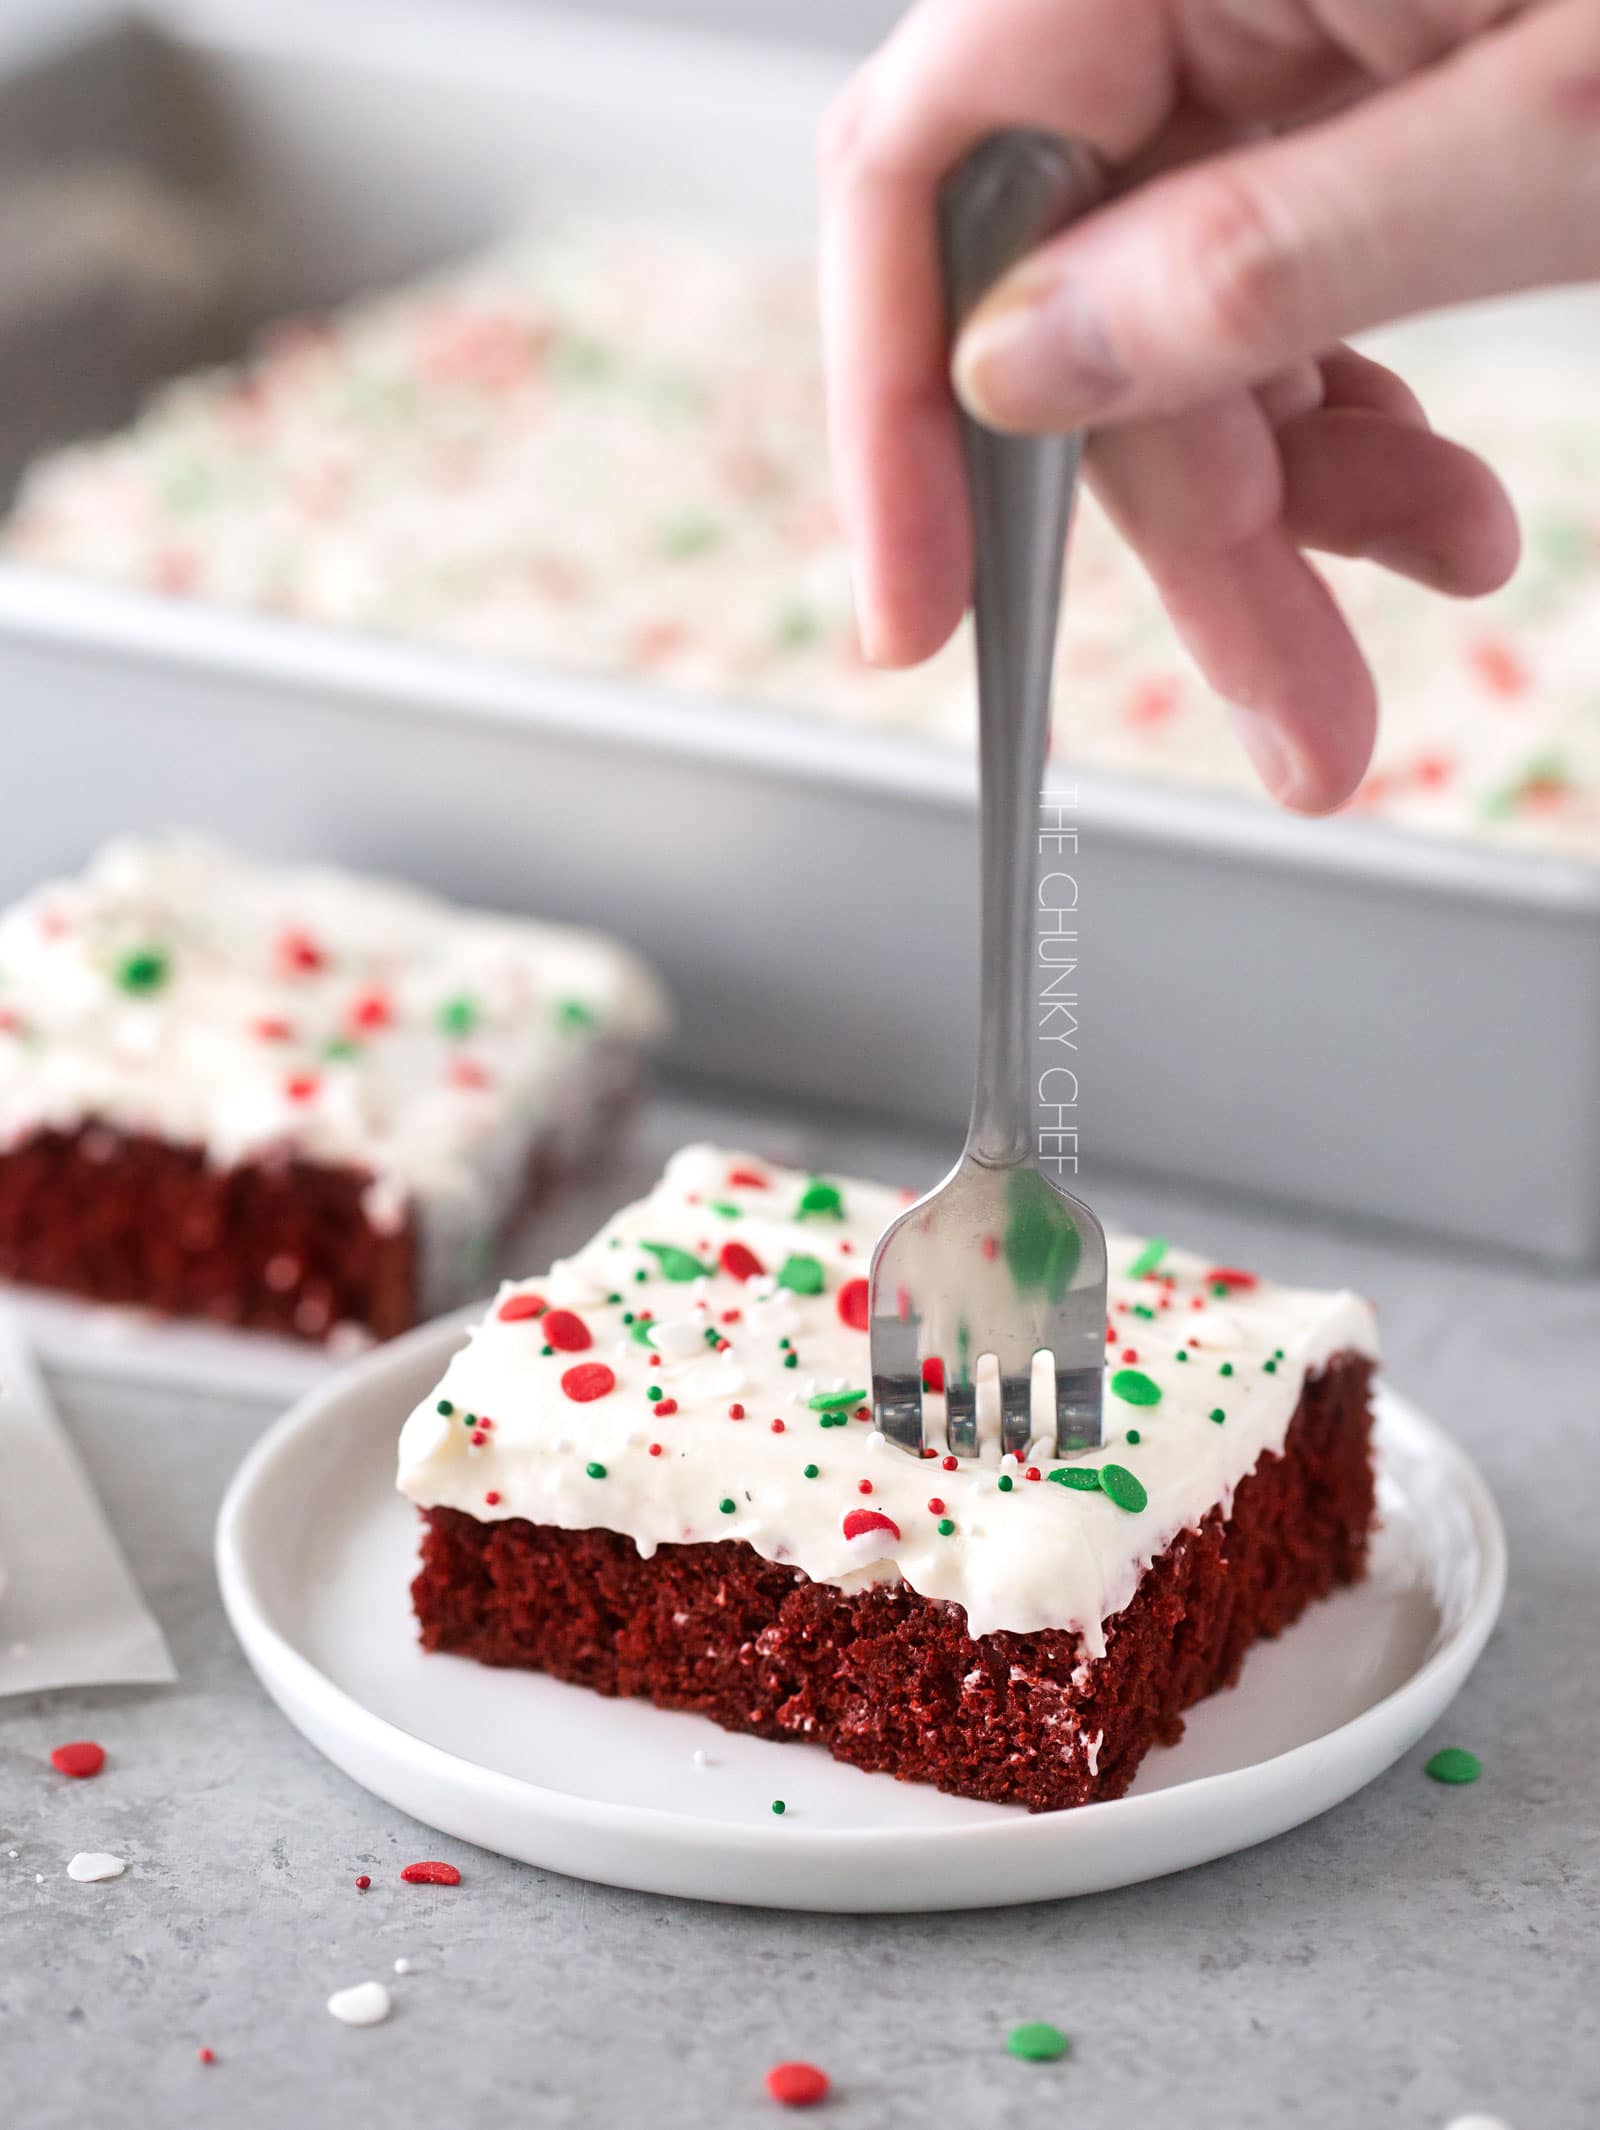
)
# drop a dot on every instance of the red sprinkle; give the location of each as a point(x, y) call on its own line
point(363, 1883)
point(735, 1412)
point(797, 2085)
point(517, 1306)
point(589, 1380)
point(666, 1406)
point(858, 1521)
point(206, 2055)
point(270, 1029)
point(1230, 1276)
point(371, 1009)
point(863, 1486)
point(83, 1757)
point(567, 1332)
point(301, 1086)
point(933, 1373)
point(854, 1298)
point(746, 1180)
point(655, 1449)
point(1032, 1472)
point(493, 1497)
point(1130, 1354)
point(935, 1505)
point(739, 1262)
point(299, 952)
point(990, 1247)
point(777, 1427)
point(948, 1463)
point(431, 1875)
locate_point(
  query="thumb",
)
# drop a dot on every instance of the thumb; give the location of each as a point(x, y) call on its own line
point(1475, 177)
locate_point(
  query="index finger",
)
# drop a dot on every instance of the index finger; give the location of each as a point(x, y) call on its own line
point(1102, 71)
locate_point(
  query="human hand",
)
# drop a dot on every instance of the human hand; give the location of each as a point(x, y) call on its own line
point(1427, 152)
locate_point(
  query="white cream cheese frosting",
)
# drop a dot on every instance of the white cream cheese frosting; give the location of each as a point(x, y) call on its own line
point(255, 1011)
point(699, 1371)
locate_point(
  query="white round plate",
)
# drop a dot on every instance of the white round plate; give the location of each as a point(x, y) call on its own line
point(315, 1551)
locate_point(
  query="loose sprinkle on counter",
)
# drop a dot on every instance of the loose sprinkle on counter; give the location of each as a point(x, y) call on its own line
point(81, 1759)
point(362, 1883)
point(431, 1874)
point(1454, 1764)
point(797, 2085)
point(1037, 2041)
point(778, 1808)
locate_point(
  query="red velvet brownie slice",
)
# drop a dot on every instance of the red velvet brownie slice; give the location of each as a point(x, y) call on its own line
point(653, 1472)
point(294, 1099)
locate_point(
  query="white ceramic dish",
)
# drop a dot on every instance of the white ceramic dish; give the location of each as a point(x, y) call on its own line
point(314, 1552)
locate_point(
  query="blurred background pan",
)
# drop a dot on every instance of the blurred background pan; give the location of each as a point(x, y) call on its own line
point(1336, 1014)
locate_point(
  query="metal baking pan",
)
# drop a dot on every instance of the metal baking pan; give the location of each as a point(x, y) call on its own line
point(1329, 1013)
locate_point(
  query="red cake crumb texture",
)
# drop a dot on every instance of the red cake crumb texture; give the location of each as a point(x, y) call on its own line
point(889, 1680)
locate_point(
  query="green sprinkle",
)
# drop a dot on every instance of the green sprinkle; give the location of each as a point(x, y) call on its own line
point(802, 1275)
point(779, 1807)
point(641, 1275)
point(1143, 1309)
point(1038, 2042)
point(791, 1360)
point(444, 1406)
point(1134, 1435)
point(147, 970)
point(1134, 1387)
point(642, 1328)
point(1182, 1354)
point(798, 625)
point(1226, 1369)
point(1218, 1414)
point(812, 1470)
point(1004, 1482)
point(1219, 1287)
point(693, 533)
point(728, 1212)
point(654, 1393)
point(1269, 1368)
point(1082, 1478)
point(1454, 1764)
point(1124, 1489)
point(726, 1504)
point(1149, 1257)
point(614, 1300)
point(458, 1016)
point(595, 1471)
point(341, 1047)
point(676, 1264)
point(822, 1197)
point(573, 1013)
point(1277, 1353)
point(547, 1351)
point(945, 1526)
point(834, 1401)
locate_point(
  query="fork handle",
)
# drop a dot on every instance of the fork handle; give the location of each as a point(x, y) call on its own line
point(1014, 190)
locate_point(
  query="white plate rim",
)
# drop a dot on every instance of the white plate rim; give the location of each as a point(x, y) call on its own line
point(300, 1687)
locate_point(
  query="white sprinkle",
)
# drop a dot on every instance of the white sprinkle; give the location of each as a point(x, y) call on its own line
point(700, 1759)
point(364, 2004)
point(91, 1864)
point(402, 1967)
point(12, 1853)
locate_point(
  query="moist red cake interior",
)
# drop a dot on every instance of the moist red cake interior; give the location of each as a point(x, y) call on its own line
point(890, 1681)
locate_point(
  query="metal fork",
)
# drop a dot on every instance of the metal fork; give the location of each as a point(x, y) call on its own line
point(998, 1275)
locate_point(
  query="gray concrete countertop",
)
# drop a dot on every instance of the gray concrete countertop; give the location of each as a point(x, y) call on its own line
point(1419, 1953)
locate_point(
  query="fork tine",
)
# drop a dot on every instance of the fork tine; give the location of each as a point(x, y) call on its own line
point(1016, 1414)
point(1078, 1393)
point(961, 1417)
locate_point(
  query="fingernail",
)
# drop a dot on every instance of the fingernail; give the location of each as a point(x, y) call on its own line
point(1036, 354)
point(1279, 763)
